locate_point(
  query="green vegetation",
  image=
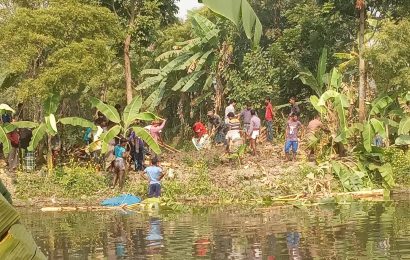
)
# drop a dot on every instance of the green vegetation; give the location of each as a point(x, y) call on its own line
point(334, 56)
point(15, 241)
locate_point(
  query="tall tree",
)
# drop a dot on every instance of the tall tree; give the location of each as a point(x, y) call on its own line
point(64, 47)
point(361, 6)
point(141, 19)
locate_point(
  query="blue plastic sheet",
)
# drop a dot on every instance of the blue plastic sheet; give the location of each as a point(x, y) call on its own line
point(128, 199)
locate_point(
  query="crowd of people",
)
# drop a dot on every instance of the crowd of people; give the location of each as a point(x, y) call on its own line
point(233, 130)
point(236, 129)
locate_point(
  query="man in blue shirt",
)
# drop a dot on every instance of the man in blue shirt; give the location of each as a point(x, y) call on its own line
point(155, 175)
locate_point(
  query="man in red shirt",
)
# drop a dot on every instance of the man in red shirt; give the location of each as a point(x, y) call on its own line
point(200, 139)
point(269, 114)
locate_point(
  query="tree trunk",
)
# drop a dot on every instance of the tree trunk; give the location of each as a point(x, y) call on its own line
point(219, 96)
point(49, 155)
point(127, 67)
point(127, 60)
point(362, 67)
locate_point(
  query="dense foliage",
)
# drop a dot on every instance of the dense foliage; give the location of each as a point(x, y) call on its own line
point(115, 49)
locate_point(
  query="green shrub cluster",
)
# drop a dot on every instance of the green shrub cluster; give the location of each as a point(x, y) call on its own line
point(400, 161)
point(67, 182)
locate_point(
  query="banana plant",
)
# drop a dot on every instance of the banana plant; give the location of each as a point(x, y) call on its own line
point(6, 128)
point(15, 241)
point(240, 13)
point(188, 61)
point(316, 82)
point(49, 126)
point(125, 123)
point(333, 107)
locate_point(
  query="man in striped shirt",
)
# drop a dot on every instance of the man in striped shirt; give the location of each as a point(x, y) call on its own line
point(233, 137)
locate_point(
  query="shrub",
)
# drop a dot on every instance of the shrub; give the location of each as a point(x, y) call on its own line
point(400, 162)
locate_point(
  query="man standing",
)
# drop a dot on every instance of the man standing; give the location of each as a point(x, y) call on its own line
point(246, 116)
point(269, 114)
point(294, 108)
point(216, 126)
point(229, 109)
point(253, 131)
point(292, 129)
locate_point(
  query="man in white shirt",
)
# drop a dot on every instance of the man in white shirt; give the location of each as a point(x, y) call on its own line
point(229, 109)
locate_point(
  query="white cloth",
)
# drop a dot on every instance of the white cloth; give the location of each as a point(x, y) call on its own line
point(229, 109)
point(200, 143)
point(255, 134)
point(233, 135)
point(98, 133)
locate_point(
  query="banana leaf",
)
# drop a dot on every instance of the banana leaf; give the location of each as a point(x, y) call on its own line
point(404, 126)
point(181, 82)
point(321, 70)
point(195, 77)
point(51, 104)
point(8, 217)
point(368, 135)
point(144, 135)
point(202, 60)
point(38, 135)
point(25, 124)
point(378, 127)
point(5, 107)
point(77, 121)
point(402, 140)
point(9, 127)
point(110, 134)
point(6, 194)
point(201, 24)
point(146, 116)
point(108, 111)
point(150, 72)
point(19, 244)
point(241, 14)
point(51, 124)
point(148, 82)
point(4, 140)
point(131, 111)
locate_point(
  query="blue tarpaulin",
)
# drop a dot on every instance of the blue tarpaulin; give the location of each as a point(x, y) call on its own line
point(128, 199)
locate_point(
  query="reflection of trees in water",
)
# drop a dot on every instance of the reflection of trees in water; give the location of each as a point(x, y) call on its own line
point(334, 231)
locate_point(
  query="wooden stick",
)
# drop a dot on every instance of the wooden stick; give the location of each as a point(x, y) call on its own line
point(169, 148)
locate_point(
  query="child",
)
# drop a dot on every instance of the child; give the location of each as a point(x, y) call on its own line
point(292, 128)
point(155, 175)
point(119, 163)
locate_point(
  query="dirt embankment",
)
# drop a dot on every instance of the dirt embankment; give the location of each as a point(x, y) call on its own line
point(198, 176)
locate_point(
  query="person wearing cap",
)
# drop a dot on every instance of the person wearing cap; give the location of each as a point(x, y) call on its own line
point(216, 126)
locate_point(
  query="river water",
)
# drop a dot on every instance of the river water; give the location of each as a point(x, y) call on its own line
point(359, 230)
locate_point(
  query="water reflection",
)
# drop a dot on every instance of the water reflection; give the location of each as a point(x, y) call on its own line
point(359, 230)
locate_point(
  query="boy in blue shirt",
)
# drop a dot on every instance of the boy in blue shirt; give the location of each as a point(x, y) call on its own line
point(155, 175)
point(119, 163)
